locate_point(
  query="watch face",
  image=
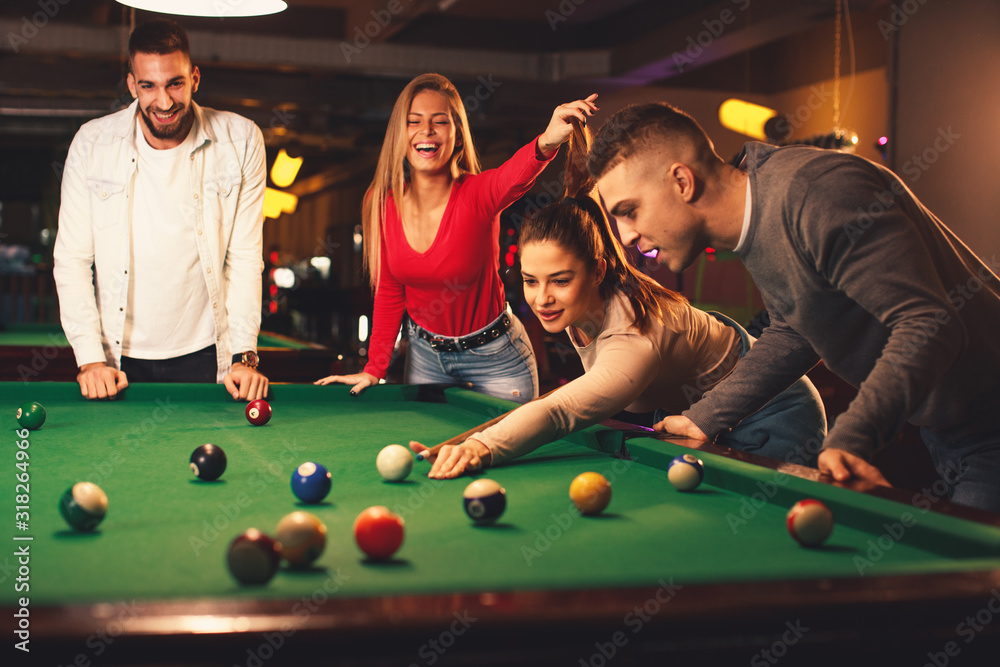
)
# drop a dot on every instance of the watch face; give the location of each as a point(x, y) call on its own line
point(250, 359)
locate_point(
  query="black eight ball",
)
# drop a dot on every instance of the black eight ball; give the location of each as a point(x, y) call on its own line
point(208, 462)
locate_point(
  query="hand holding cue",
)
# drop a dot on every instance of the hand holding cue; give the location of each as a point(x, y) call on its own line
point(462, 437)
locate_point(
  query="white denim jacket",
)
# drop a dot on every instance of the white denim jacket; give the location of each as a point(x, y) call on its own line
point(91, 256)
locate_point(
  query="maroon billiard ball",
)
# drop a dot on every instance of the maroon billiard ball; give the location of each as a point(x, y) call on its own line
point(253, 558)
point(258, 412)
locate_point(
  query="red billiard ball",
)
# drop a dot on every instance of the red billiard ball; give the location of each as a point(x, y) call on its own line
point(378, 532)
point(810, 522)
point(253, 558)
point(258, 412)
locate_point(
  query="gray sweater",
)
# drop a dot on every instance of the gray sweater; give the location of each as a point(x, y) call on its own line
point(855, 271)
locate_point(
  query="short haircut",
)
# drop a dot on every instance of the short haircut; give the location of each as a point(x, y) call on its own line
point(577, 224)
point(160, 37)
point(640, 126)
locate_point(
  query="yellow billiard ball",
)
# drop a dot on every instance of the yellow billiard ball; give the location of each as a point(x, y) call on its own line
point(590, 492)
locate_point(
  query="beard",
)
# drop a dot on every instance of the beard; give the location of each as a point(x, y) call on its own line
point(177, 129)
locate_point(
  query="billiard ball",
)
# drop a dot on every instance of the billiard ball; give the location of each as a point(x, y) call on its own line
point(394, 463)
point(208, 462)
point(83, 506)
point(686, 472)
point(31, 415)
point(810, 522)
point(484, 501)
point(301, 537)
point(378, 532)
point(258, 412)
point(590, 492)
point(253, 558)
point(311, 482)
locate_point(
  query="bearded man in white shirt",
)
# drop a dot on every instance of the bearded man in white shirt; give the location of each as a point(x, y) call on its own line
point(158, 256)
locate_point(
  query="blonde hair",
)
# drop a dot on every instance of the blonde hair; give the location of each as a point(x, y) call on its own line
point(392, 172)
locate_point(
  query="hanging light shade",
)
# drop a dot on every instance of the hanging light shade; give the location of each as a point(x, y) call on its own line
point(211, 8)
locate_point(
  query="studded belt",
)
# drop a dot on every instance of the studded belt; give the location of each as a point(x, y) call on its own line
point(472, 341)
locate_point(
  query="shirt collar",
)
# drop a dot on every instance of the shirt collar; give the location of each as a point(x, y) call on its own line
point(203, 133)
point(746, 211)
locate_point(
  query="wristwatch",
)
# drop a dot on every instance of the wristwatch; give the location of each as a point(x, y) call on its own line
point(248, 359)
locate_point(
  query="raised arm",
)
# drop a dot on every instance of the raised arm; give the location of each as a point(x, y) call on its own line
point(511, 180)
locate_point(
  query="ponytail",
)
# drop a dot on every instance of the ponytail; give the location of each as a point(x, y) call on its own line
point(578, 224)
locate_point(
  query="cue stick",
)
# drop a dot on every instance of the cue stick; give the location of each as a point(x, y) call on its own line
point(432, 451)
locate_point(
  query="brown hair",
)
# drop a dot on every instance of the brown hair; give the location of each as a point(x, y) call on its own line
point(159, 36)
point(639, 126)
point(577, 223)
point(392, 171)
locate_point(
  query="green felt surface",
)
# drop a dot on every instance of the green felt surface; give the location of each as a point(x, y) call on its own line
point(42, 335)
point(166, 533)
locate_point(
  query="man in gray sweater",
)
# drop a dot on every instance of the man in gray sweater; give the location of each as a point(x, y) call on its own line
point(854, 271)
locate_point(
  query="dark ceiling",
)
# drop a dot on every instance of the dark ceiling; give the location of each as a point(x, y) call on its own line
point(322, 76)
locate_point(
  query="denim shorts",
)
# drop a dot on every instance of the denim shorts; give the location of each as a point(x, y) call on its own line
point(504, 367)
point(969, 465)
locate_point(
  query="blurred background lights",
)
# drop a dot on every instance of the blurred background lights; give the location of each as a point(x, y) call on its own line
point(284, 278)
point(745, 117)
point(284, 169)
point(322, 266)
point(363, 328)
point(277, 202)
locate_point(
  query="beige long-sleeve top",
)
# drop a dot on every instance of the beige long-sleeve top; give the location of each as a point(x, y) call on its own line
point(669, 367)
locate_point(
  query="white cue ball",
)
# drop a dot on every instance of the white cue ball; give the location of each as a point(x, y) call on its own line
point(394, 463)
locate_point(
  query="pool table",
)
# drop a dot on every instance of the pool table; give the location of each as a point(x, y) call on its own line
point(711, 575)
point(41, 352)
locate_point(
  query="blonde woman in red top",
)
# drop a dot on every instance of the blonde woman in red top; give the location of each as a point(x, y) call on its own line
point(434, 251)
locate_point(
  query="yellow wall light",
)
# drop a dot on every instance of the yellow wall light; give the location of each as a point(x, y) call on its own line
point(277, 202)
point(745, 117)
point(284, 169)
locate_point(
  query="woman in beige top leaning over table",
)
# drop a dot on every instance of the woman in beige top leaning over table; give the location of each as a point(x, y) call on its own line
point(644, 348)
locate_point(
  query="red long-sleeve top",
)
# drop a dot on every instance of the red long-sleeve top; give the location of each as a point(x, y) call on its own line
point(453, 288)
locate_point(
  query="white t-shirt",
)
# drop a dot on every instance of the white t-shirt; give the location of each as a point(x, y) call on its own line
point(168, 313)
